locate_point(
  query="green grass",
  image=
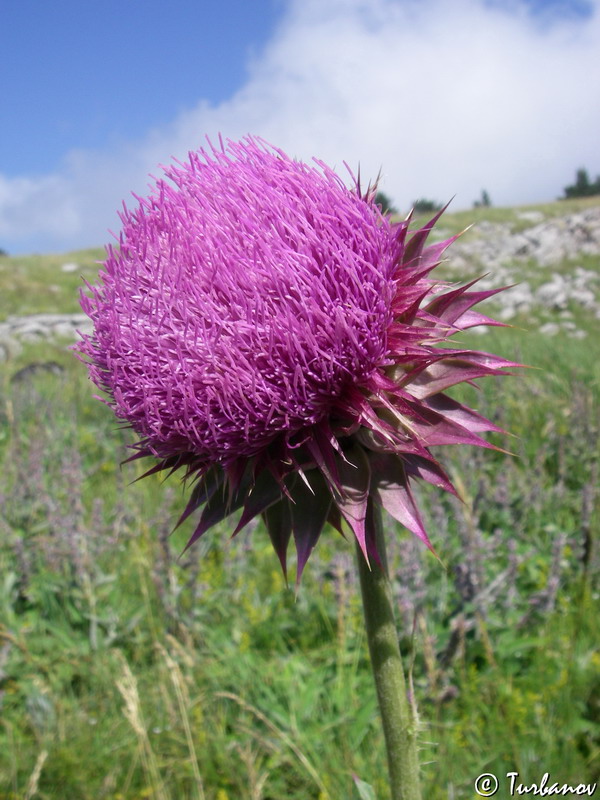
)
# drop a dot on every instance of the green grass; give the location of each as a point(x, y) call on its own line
point(36, 284)
point(127, 672)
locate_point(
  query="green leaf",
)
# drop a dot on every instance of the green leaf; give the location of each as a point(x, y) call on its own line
point(365, 790)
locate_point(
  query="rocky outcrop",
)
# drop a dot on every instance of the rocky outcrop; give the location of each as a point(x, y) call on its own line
point(15, 331)
point(580, 287)
point(503, 255)
point(548, 243)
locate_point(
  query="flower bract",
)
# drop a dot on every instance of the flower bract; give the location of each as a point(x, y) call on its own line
point(269, 332)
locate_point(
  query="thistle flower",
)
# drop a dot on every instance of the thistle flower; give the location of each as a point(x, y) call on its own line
point(266, 330)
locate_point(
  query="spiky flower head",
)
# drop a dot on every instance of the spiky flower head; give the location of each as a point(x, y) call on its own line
point(269, 332)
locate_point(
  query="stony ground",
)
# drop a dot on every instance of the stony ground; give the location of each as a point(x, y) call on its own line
point(542, 261)
point(547, 258)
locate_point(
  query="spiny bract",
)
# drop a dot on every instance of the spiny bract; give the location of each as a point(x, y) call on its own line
point(267, 330)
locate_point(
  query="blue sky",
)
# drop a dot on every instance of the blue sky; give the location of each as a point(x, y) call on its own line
point(88, 74)
point(446, 96)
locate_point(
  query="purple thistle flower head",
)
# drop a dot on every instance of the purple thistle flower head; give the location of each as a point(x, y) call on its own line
point(268, 331)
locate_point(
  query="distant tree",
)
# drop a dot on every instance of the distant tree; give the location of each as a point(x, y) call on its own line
point(582, 187)
point(425, 206)
point(3, 252)
point(484, 201)
point(385, 204)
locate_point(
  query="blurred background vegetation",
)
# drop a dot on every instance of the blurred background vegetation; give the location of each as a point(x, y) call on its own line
point(128, 671)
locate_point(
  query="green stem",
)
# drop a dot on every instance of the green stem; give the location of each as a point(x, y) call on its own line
point(399, 723)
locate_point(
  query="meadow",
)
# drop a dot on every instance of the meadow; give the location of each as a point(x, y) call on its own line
point(130, 671)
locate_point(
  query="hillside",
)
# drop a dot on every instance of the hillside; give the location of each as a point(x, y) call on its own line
point(551, 253)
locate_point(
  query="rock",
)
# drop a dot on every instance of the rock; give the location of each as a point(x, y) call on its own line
point(531, 216)
point(518, 299)
point(561, 289)
point(553, 294)
point(37, 368)
point(550, 329)
point(548, 242)
point(37, 327)
point(9, 348)
point(585, 297)
point(32, 331)
point(63, 330)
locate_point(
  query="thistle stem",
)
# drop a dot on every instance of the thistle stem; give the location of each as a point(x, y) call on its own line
point(399, 723)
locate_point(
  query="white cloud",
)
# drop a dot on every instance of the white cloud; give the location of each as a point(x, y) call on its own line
point(448, 98)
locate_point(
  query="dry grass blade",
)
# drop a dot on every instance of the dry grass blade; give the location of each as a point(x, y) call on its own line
point(283, 736)
point(127, 687)
point(32, 785)
point(183, 701)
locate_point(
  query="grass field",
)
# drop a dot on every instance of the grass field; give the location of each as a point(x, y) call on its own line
point(127, 672)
